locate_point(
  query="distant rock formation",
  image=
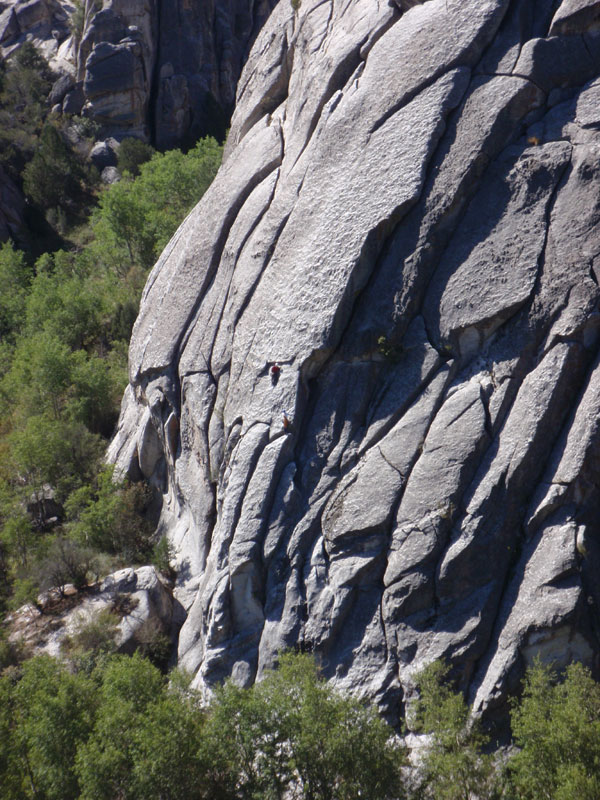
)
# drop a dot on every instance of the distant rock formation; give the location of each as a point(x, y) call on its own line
point(407, 223)
point(160, 71)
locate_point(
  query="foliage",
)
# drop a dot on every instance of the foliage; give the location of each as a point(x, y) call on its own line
point(392, 352)
point(114, 727)
point(12, 653)
point(108, 516)
point(77, 20)
point(153, 642)
point(293, 731)
point(120, 730)
point(66, 562)
point(454, 766)
point(93, 639)
point(557, 728)
point(65, 322)
point(53, 711)
point(14, 273)
point(132, 154)
point(141, 215)
point(162, 555)
point(47, 451)
point(105, 761)
point(25, 86)
point(53, 177)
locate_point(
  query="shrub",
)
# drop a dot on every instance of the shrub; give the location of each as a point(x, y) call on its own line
point(132, 154)
point(292, 731)
point(454, 766)
point(66, 562)
point(162, 554)
point(53, 177)
point(557, 728)
point(94, 637)
point(109, 517)
point(153, 643)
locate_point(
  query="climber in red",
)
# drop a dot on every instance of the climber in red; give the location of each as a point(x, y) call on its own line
point(274, 373)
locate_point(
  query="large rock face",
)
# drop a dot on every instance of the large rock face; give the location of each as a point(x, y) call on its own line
point(406, 221)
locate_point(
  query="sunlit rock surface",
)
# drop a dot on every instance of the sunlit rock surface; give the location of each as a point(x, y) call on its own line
point(406, 222)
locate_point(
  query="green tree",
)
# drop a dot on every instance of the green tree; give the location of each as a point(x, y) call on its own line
point(104, 763)
point(12, 773)
point(168, 759)
point(65, 301)
point(293, 729)
point(25, 87)
point(54, 453)
point(95, 393)
point(124, 214)
point(53, 177)
point(454, 766)
point(132, 154)
point(141, 215)
point(557, 728)
point(14, 280)
point(40, 375)
point(109, 516)
point(54, 714)
point(16, 535)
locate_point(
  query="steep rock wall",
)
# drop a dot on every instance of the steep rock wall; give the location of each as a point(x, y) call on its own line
point(166, 71)
point(157, 70)
point(406, 221)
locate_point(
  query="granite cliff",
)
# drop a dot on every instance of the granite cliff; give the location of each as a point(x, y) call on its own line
point(406, 224)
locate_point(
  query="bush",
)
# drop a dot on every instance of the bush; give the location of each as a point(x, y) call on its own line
point(53, 177)
point(454, 766)
point(557, 728)
point(54, 711)
point(15, 276)
point(162, 555)
point(66, 562)
point(153, 643)
point(92, 639)
point(141, 215)
point(292, 731)
point(109, 517)
point(132, 154)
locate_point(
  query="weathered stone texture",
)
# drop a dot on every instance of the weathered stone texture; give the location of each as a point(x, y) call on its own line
point(406, 221)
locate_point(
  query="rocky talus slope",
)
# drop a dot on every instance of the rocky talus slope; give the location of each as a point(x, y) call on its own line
point(406, 222)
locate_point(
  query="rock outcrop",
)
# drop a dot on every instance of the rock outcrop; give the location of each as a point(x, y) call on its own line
point(138, 600)
point(406, 223)
point(160, 71)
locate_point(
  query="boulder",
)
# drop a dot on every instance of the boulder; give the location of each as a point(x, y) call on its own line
point(43, 22)
point(139, 600)
point(110, 175)
point(74, 100)
point(104, 154)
